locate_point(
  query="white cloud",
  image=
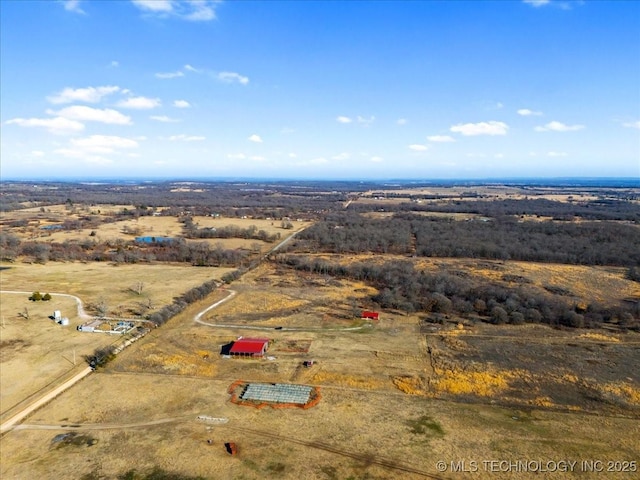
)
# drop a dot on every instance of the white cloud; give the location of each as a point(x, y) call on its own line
point(73, 6)
point(87, 95)
point(557, 154)
point(441, 138)
point(402, 121)
point(255, 138)
point(114, 64)
point(558, 127)
point(236, 156)
point(476, 155)
point(89, 114)
point(56, 125)
point(164, 119)
point(293, 155)
point(632, 124)
point(366, 121)
point(37, 153)
point(181, 104)
point(341, 156)
point(231, 77)
point(103, 143)
point(287, 130)
point(563, 5)
point(257, 158)
point(192, 10)
point(525, 112)
point(140, 103)
point(189, 68)
point(154, 5)
point(168, 75)
point(499, 155)
point(499, 105)
point(342, 119)
point(537, 3)
point(418, 148)
point(91, 149)
point(202, 11)
point(481, 128)
point(376, 159)
point(186, 138)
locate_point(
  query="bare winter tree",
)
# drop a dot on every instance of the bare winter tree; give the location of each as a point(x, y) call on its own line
point(102, 307)
point(137, 288)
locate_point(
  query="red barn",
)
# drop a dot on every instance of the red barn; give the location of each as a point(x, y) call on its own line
point(371, 315)
point(250, 347)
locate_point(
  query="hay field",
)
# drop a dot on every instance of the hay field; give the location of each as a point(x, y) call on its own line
point(271, 226)
point(35, 352)
point(93, 282)
point(496, 192)
point(389, 409)
point(38, 351)
point(141, 226)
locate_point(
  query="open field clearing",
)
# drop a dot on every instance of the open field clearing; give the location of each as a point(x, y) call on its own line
point(144, 226)
point(497, 192)
point(271, 226)
point(390, 394)
point(348, 435)
point(108, 283)
point(38, 351)
point(141, 226)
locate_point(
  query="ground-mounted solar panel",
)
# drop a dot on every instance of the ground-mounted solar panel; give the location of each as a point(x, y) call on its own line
point(277, 393)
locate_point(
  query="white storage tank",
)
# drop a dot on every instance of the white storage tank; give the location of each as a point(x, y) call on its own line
point(64, 322)
point(57, 315)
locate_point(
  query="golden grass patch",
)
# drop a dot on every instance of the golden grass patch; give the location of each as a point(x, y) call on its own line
point(411, 385)
point(483, 384)
point(344, 380)
point(623, 391)
point(598, 337)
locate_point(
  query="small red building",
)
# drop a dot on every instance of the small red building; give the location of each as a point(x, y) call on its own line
point(250, 347)
point(370, 315)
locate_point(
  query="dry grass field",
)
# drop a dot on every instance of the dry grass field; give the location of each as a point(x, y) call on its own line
point(395, 399)
point(128, 229)
point(496, 192)
point(38, 351)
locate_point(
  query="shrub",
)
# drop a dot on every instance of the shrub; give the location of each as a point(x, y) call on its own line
point(35, 297)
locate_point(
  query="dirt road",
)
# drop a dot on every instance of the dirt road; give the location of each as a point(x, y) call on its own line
point(9, 424)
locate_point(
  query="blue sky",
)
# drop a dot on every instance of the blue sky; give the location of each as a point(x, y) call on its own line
point(337, 89)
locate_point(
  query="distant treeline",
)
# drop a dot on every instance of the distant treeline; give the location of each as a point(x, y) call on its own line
point(403, 287)
point(121, 251)
point(604, 209)
point(281, 199)
point(503, 238)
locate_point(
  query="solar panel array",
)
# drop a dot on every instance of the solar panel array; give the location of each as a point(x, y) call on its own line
point(277, 393)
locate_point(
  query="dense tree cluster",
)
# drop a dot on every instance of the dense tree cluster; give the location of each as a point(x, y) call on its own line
point(181, 302)
point(603, 209)
point(121, 251)
point(276, 201)
point(191, 230)
point(586, 243)
point(403, 287)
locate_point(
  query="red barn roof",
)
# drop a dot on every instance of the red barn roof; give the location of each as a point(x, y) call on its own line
point(249, 346)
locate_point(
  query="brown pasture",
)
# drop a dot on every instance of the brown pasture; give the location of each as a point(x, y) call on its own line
point(396, 399)
point(38, 351)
